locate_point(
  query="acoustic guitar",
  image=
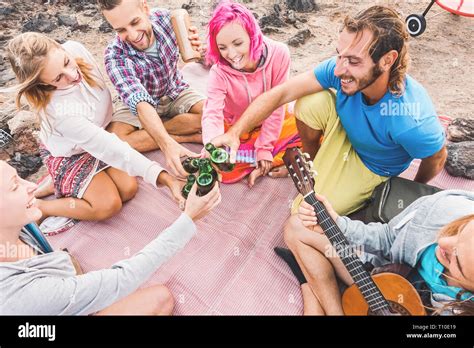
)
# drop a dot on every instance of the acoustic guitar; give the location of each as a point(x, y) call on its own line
point(381, 294)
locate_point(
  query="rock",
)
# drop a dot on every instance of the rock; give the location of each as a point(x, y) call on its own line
point(290, 17)
point(25, 164)
point(26, 142)
point(460, 160)
point(461, 129)
point(271, 30)
point(6, 76)
point(67, 20)
point(302, 5)
point(7, 112)
point(24, 119)
point(105, 27)
point(6, 11)
point(272, 20)
point(300, 38)
point(40, 23)
point(90, 13)
point(191, 4)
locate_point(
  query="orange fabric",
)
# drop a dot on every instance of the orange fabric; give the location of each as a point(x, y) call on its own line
point(288, 138)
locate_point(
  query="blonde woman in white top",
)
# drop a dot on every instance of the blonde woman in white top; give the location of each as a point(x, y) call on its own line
point(92, 170)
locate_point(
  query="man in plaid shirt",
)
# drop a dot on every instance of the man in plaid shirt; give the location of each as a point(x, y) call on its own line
point(161, 110)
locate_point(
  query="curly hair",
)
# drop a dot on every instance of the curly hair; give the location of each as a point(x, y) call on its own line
point(389, 33)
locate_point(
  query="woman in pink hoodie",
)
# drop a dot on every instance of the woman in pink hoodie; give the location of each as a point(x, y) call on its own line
point(246, 64)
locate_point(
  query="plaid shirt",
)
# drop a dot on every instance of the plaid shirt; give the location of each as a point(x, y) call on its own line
point(139, 77)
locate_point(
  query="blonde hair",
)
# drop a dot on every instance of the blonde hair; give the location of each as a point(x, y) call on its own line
point(389, 33)
point(460, 307)
point(27, 54)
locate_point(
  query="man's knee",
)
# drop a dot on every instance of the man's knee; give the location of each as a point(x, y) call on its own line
point(292, 231)
point(121, 129)
point(315, 109)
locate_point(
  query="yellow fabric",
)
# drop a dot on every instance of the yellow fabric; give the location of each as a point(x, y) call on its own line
point(342, 176)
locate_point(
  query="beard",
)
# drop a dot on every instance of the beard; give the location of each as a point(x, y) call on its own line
point(367, 80)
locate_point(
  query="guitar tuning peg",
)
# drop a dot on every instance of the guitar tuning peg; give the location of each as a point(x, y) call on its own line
point(310, 164)
point(313, 173)
point(306, 155)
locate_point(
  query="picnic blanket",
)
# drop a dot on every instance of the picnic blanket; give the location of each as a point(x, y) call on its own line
point(229, 267)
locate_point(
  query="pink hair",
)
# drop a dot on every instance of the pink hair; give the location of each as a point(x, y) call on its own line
point(231, 12)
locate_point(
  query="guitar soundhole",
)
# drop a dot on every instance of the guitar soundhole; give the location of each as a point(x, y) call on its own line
point(396, 309)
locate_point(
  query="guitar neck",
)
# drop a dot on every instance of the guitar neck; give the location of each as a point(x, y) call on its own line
point(348, 255)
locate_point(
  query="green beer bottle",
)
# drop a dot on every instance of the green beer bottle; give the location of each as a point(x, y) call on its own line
point(207, 177)
point(205, 183)
point(189, 185)
point(220, 158)
point(205, 167)
point(191, 165)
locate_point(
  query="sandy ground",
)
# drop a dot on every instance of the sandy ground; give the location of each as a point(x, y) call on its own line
point(442, 58)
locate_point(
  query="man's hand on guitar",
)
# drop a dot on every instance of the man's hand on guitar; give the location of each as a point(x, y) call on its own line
point(308, 217)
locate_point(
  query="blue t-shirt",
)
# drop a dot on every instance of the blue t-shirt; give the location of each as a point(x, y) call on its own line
point(388, 135)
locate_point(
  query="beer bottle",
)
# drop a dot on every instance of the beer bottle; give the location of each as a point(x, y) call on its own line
point(205, 183)
point(207, 177)
point(220, 158)
point(181, 22)
point(189, 185)
point(191, 165)
point(206, 167)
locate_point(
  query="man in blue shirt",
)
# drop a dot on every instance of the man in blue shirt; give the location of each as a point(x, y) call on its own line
point(375, 119)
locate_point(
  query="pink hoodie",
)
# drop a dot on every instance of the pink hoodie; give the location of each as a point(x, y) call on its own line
point(230, 92)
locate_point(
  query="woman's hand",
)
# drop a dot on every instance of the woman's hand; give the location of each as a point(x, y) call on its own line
point(174, 185)
point(198, 207)
point(308, 217)
point(265, 166)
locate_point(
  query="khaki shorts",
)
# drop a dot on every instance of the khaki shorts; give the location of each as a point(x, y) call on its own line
point(166, 109)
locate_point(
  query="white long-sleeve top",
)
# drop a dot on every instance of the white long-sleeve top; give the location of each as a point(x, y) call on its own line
point(75, 119)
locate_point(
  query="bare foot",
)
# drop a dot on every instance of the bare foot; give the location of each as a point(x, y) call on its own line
point(192, 138)
point(45, 188)
point(279, 172)
point(253, 176)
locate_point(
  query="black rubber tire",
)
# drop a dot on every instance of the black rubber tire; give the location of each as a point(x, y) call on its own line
point(416, 24)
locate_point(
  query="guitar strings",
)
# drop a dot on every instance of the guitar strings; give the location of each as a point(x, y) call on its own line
point(366, 280)
point(379, 302)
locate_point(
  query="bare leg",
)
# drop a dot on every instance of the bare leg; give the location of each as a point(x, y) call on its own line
point(141, 141)
point(101, 201)
point(309, 249)
point(310, 301)
point(310, 138)
point(155, 300)
point(184, 124)
point(187, 123)
point(127, 185)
